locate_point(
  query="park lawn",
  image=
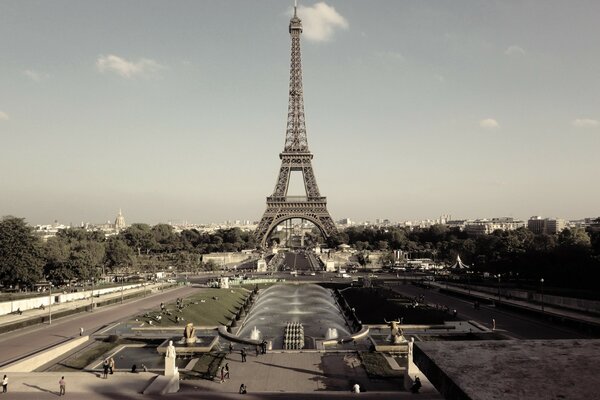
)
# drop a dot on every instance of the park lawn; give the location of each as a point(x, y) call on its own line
point(377, 366)
point(218, 308)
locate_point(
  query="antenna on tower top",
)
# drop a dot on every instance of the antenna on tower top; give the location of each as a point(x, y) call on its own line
point(295, 6)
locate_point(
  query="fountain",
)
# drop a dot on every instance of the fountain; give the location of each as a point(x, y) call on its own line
point(255, 334)
point(310, 306)
point(332, 333)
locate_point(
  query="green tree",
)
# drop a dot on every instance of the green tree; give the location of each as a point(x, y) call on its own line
point(140, 238)
point(118, 254)
point(165, 238)
point(21, 261)
point(56, 255)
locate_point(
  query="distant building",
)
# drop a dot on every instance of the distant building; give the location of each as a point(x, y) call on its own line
point(120, 222)
point(549, 226)
point(485, 226)
point(457, 223)
point(345, 222)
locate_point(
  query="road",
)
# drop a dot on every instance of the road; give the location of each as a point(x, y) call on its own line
point(512, 323)
point(31, 339)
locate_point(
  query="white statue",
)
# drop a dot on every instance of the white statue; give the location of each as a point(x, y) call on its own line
point(170, 350)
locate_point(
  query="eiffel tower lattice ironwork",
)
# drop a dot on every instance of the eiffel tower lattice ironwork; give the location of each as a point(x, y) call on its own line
point(295, 157)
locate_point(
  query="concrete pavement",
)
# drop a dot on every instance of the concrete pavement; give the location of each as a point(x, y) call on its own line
point(271, 376)
point(37, 313)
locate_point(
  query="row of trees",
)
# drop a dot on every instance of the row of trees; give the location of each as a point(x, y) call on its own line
point(79, 255)
point(571, 258)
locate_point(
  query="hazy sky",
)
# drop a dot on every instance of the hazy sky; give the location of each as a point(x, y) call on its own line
point(176, 110)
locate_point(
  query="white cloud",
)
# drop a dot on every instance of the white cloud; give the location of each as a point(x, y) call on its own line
point(4, 116)
point(489, 123)
point(321, 21)
point(514, 50)
point(35, 75)
point(585, 123)
point(143, 67)
point(439, 78)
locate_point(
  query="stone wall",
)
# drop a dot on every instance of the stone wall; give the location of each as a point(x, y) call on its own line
point(7, 307)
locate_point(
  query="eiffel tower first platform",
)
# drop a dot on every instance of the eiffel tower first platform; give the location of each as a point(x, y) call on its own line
point(295, 157)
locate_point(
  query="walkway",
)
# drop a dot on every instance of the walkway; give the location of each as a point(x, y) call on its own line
point(525, 305)
point(71, 305)
point(270, 376)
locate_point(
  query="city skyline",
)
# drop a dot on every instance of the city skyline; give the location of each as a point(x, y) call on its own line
point(413, 110)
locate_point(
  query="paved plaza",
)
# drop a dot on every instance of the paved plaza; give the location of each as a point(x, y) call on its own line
point(273, 375)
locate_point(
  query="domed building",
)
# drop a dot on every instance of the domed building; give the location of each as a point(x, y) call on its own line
point(120, 222)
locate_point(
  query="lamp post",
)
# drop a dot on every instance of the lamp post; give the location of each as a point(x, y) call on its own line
point(498, 286)
point(50, 305)
point(542, 283)
point(122, 287)
point(92, 296)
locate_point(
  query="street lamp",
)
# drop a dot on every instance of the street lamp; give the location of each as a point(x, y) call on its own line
point(92, 296)
point(50, 305)
point(498, 286)
point(542, 283)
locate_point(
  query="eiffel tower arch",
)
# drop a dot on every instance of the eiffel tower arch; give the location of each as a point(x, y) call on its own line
point(296, 157)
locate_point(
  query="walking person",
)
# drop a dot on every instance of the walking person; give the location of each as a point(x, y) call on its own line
point(80, 331)
point(230, 347)
point(243, 352)
point(493, 324)
point(222, 374)
point(4, 384)
point(111, 365)
point(227, 371)
point(105, 369)
point(257, 350)
point(62, 385)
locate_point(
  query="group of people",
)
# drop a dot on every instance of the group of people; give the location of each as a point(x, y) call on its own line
point(261, 348)
point(225, 372)
point(108, 366)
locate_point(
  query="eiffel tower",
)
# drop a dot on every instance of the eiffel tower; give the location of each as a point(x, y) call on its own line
point(295, 157)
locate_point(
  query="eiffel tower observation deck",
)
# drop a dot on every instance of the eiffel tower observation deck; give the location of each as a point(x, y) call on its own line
point(296, 157)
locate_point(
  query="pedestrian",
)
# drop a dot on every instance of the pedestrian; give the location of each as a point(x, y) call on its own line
point(222, 374)
point(356, 388)
point(257, 350)
point(80, 331)
point(243, 389)
point(4, 384)
point(243, 352)
point(62, 385)
point(227, 371)
point(416, 385)
point(105, 369)
point(493, 324)
point(264, 346)
point(111, 365)
point(230, 347)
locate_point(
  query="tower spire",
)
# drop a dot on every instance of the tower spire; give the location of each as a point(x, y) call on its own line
point(295, 138)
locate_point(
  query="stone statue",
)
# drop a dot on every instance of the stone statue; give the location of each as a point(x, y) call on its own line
point(396, 336)
point(170, 367)
point(189, 333)
point(170, 350)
